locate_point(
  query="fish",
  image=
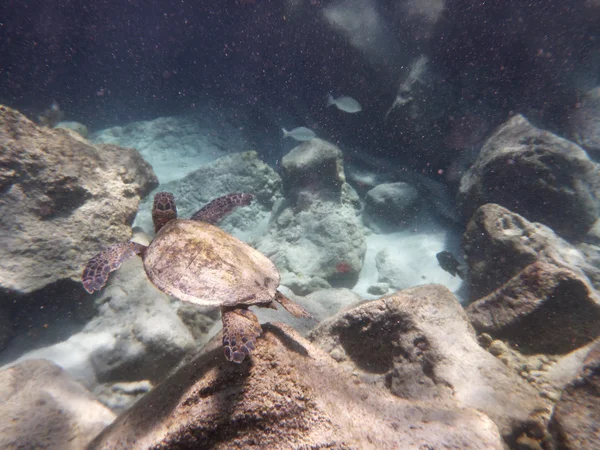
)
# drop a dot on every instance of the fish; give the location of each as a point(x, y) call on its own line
point(449, 263)
point(300, 134)
point(346, 104)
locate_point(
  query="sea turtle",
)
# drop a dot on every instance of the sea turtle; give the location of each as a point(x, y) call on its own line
point(197, 262)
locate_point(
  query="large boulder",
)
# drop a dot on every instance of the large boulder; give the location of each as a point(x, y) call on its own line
point(62, 199)
point(315, 236)
point(537, 174)
point(392, 205)
point(576, 418)
point(498, 244)
point(418, 344)
point(42, 407)
point(289, 394)
point(543, 309)
point(314, 166)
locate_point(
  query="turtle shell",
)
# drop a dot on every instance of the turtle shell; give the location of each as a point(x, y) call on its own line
point(202, 264)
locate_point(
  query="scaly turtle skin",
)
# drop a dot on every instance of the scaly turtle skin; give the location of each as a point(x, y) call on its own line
point(197, 262)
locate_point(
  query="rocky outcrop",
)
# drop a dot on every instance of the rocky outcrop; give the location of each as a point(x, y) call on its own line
point(315, 236)
point(498, 244)
point(418, 344)
point(42, 407)
point(290, 394)
point(577, 414)
point(62, 199)
point(543, 309)
point(537, 174)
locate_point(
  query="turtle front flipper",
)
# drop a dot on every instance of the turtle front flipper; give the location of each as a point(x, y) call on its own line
point(216, 210)
point(240, 330)
point(292, 307)
point(95, 274)
point(163, 209)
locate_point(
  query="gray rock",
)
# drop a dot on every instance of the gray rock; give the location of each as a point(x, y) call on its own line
point(77, 127)
point(314, 166)
point(61, 201)
point(378, 289)
point(543, 309)
point(240, 172)
point(395, 204)
point(315, 236)
point(584, 122)
point(537, 174)
point(289, 395)
point(576, 416)
point(42, 407)
point(418, 343)
point(498, 244)
point(325, 241)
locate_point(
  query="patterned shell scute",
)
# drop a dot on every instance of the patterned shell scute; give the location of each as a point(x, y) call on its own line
point(200, 263)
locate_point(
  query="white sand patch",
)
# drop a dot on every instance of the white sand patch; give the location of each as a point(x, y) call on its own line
point(410, 261)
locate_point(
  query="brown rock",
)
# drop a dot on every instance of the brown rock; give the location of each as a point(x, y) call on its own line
point(537, 174)
point(576, 419)
point(43, 408)
point(418, 343)
point(62, 199)
point(498, 244)
point(543, 309)
point(290, 394)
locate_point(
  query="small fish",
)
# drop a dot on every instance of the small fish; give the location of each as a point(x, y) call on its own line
point(300, 134)
point(346, 104)
point(448, 262)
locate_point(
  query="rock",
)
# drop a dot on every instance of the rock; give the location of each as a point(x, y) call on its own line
point(543, 309)
point(576, 418)
point(324, 242)
point(62, 199)
point(290, 394)
point(77, 127)
point(534, 173)
point(314, 166)
point(498, 244)
point(315, 237)
point(42, 407)
point(378, 289)
point(584, 122)
point(240, 172)
point(418, 343)
point(136, 335)
point(393, 204)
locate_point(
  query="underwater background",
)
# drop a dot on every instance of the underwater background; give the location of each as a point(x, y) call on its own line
point(424, 184)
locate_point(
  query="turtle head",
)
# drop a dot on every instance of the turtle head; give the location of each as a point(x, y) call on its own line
point(163, 209)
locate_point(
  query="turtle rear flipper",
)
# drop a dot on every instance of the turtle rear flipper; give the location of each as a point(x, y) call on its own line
point(240, 330)
point(95, 274)
point(216, 210)
point(292, 307)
